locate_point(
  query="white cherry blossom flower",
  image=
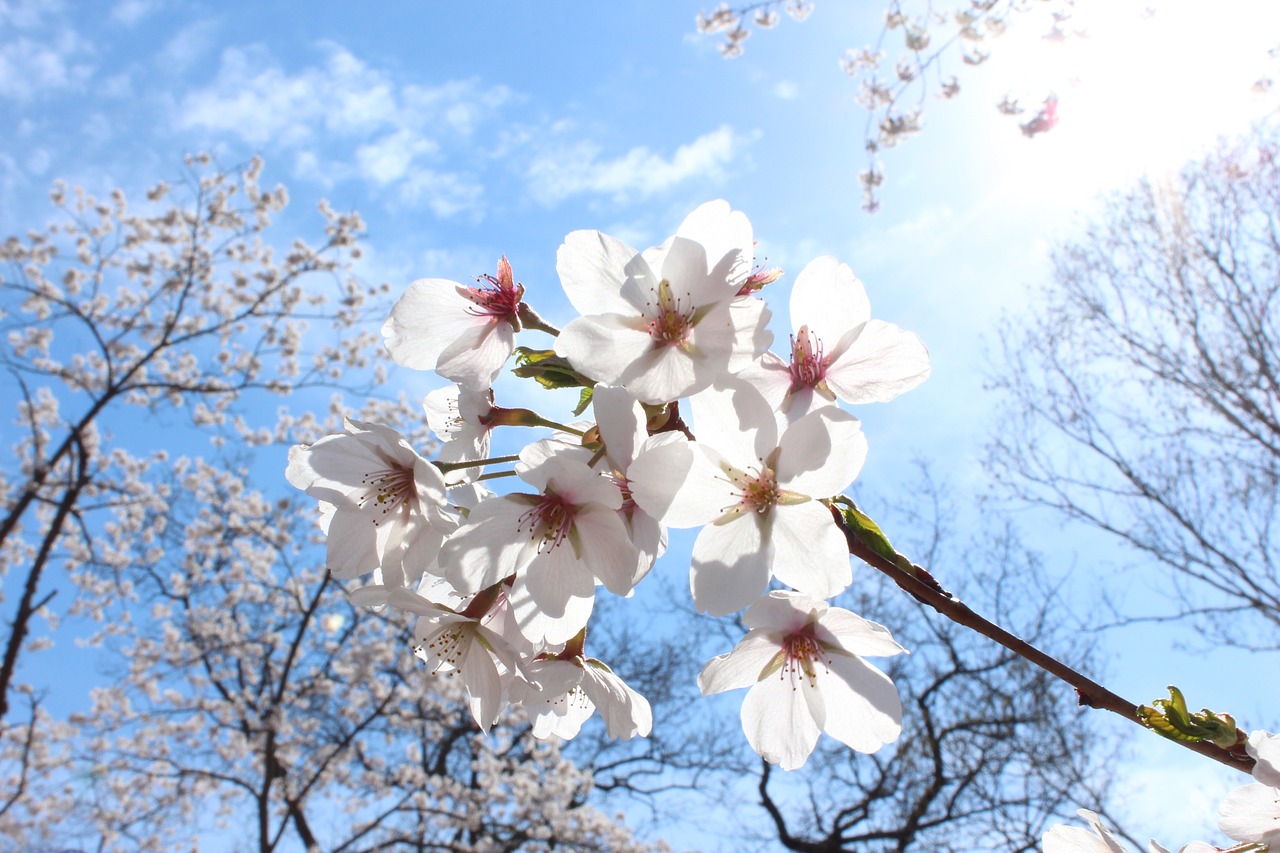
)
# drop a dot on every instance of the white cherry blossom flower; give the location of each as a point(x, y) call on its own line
point(454, 646)
point(1251, 813)
point(621, 424)
point(802, 662)
point(561, 693)
point(1064, 838)
point(457, 415)
point(837, 350)
point(666, 322)
point(463, 332)
point(757, 493)
point(557, 543)
point(382, 505)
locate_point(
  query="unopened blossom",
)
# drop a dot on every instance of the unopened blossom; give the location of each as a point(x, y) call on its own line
point(383, 506)
point(463, 332)
point(557, 543)
point(454, 646)
point(802, 661)
point(666, 322)
point(756, 489)
point(561, 693)
point(837, 350)
point(1251, 813)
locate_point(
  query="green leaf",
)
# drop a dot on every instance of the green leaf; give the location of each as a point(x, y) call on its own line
point(548, 369)
point(866, 530)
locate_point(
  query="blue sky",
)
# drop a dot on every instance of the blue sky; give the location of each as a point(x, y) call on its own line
point(465, 131)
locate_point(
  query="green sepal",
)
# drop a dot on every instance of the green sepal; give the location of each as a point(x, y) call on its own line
point(584, 400)
point(548, 369)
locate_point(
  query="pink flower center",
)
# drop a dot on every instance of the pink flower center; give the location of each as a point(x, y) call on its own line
point(389, 489)
point(802, 654)
point(496, 297)
point(807, 367)
point(496, 300)
point(550, 519)
point(760, 492)
point(671, 324)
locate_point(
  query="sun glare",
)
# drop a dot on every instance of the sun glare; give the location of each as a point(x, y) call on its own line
point(1141, 85)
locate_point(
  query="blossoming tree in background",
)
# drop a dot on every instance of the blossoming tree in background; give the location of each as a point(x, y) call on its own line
point(245, 697)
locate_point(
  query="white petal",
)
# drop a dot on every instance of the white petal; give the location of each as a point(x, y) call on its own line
point(1265, 749)
point(592, 268)
point(880, 363)
point(856, 635)
point(863, 709)
point(822, 453)
point(483, 683)
point(664, 373)
point(488, 547)
point(604, 548)
point(603, 347)
point(722, 231)
point(750, 317)
point(426, 320)
point(621, 421)
point(771, 376)
point(743, 666)
point(679, 484)
point(737, 421)
point(783, 610)
point(778, 723)
point(730, 566)
point(1252, 813)
point(810, 554)
point(626, 713)
point(475, 357)
point(828, 298)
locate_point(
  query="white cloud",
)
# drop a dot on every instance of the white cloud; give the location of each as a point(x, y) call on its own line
point(577, 169)
point(389, 158)
point(446, 194)
point(129, 12)
point(29, 67)
point(785, 89)
point(187, 45)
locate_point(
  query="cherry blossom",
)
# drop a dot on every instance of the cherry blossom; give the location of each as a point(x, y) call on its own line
point(621, 423)
point(458, 416)
point(756, 491)
point(562, 692)
point(837, 350)
point(557, 543)
point(454, 645)
point(462, 332)
point(386, 504)
point(666, 322)
point(802, 662)
point(1251, 813)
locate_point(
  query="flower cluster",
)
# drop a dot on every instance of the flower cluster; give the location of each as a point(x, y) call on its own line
point(503, 585)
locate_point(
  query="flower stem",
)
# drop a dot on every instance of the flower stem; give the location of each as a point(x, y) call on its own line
point(446, 467)
point(921, 586)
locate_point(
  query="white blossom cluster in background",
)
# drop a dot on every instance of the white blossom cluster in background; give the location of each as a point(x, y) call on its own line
point(1250, 814)
point(503, 585)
